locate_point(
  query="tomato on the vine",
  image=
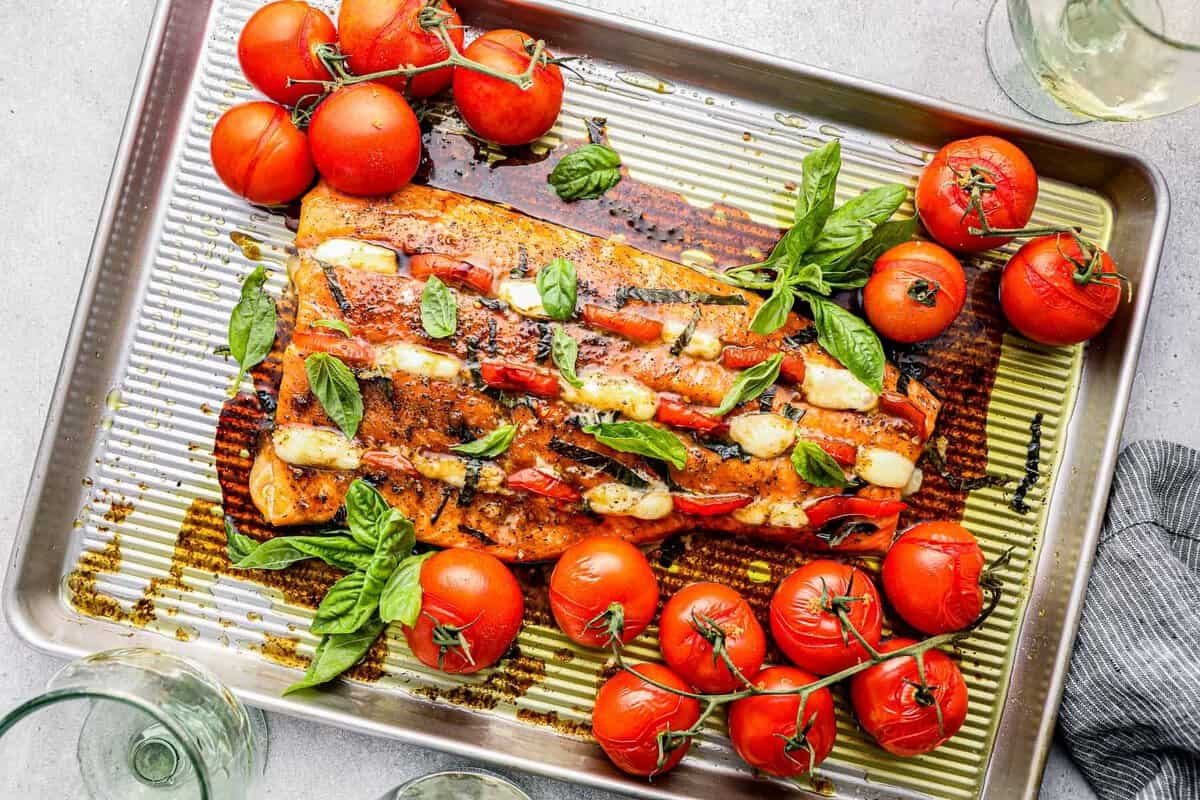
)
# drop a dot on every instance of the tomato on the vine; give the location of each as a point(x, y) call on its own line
point(699, 623)
point(501, 111)
point(899, 711)
point(471, 608)
point(603, 588)
point(915, 291)
point(365, 139)
point(931, 576)
point(259, 154)
point(279, 42)
point(630, 713)
point(807, 612)
point(1054, 292)
point(763, 726)
point(379, 35)
point(971, 179)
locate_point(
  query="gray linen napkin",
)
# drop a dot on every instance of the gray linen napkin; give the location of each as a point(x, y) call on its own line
point(1131, 707)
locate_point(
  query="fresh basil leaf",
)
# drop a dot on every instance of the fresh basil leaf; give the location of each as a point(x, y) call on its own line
point(338, 653)
point(401, 600)
point(365, 510)
point(439, 311)
point(336, 550)
point(337, 389)
point(818, 183)
point(852, 225)
point(750, 384)
point(489, 446)
point(811, 277)
point(816, 466)
point(252, 323)
point(335, 324)
point(237, 544)
point(556, 284)
point(641, 439)
point(586, 173)
point(350, 602)
point(773, 313)
point(848, 339)
point(853, 271)
point(565, 351)
point(340, 610)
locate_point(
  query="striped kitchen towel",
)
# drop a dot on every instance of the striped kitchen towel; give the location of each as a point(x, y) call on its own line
point(1131, 707)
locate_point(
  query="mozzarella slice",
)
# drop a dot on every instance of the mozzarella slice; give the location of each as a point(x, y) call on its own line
point(883, 467)
point(703, 344)
point(613, 393)
point(769, 511)
point(621, 500)
point(356, 254)
point(753, 514)
point(523, 297)
point(914, 483)
point(829, 387)
point(763, 435)
point(305, 446)
point(416, 360)
point(453, 471)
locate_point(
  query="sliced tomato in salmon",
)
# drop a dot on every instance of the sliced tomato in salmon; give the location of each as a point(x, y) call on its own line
point(831, 508)
point(355, 352)
point(738, 357)
point(532, 479)
point(631, 325)
point(519, 378)
point(841, 452)
point(897, 405)
point(710, 505)
point(452, 270)
point(679, 414)
point(387, 461)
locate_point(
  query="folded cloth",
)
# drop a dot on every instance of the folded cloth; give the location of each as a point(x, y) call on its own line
point(1131, 708)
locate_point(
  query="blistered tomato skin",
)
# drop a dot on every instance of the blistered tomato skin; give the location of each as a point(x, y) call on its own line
point(365, 140)
point(808, 633)
point(890, 707)
point(500, 111)
point(630, 714)
point(379, 35)
point(591, 576)
point(279, 42)
point(686, 649)
point(931, 577)
point(763, 727)
point(915, 292)
point(260, 155)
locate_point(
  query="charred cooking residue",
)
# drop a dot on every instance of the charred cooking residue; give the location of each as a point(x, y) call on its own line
point(508, 682)
point(1033, 457)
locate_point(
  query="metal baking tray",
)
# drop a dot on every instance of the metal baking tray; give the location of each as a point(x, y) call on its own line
point(126, 468)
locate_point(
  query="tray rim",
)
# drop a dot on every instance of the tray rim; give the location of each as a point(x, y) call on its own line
point(27, 627)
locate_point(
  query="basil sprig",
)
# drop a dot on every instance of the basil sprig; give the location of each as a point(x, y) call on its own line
point(565, 352)
point(750, 384)
point(586, 173)
point(556, 285)
point(641, 439)
point(401, 599)
point(816, 466)
point(337, 653)
point(252, 323)
point(439, 311)
point(848, 339)
point(335, 386)
point(337, 550)
point(489, 446)
point(335, 324)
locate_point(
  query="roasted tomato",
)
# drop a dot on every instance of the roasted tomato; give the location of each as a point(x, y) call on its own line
point(1055, 293)
point(679, 414)
point(931, 577)
point(279, 42)
point(519, 378)
point(791, 369)
point(630, 715)
point(353, 350)
point(601, 588)
point(631, 325)
point(451, 270)
point(471, 610)
point(763, 727)
point(916, 290)
point(897, 405)
point(259, 154)
point(972, 179)
point(805, 616)
point(538, 481)
point(365, 139)
point(501, 111)
point(699, 624)
point(899, 711)
point(710, 505)
point(379, 35)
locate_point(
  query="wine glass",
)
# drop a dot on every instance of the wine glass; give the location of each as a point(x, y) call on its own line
point(462, 784)
point(133, 724)
point(1072, 61)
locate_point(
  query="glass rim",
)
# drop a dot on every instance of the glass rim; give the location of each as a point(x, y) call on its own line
point(33, 704)
point(477, 771)
point(1162, 37)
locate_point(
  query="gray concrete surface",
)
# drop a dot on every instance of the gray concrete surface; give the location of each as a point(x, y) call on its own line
point(62, 100)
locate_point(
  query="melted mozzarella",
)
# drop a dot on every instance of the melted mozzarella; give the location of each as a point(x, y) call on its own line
point(355, 254)
point(763, 435)
point(621, 500)
point(703, 344)
point(914, 483)
point(769, 511)
point(613, 393)
point(453, 471)
point(753, 514)
point(523, 297)
point(883, 467)
point(834, 388)
point(305, 446)
point(416, 360)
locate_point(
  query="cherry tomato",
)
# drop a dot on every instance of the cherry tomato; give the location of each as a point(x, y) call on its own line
point(630, 714)
point(710, 505)
point(931, 577)
point(379, 35)
point(451, 270)
point(632, 326)
point(901, 716)
point(679, 414)
point(470, 596)
point(537, 481)
point(944, 192)
point(353, 350)
point(519, 378)
point(695, 618)
point(599, 581)
point(259, 154)
point(280, 42)
point(365, 139)
point(501, 111)
point(763, 727)
point(1054, 293)
point(915, 291)
point(897, 405)
point(387, 461)
point(804, 622)
point(790, 369)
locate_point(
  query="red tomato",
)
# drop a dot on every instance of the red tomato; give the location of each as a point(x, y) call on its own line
point(280, 42)
point(897, 405)
point(1052, 292)
point(630, 714)
point(598, 580)
point(805, 628)
point(931, 577)
point(710, 505)
point(501, 111)
point(451, 270)
point(387, 461)
point(679, 414)
point(944, 200)
point(892, 707)
point(353, 350)
point(763, 727)
point(632, 326)
point(519, 378)
point(379, 35)
point(532, 479)
point(696, 615)
point(791, 369)
point(472, 596)
point(916, 290)
point(259, 154)
point(365, 139)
